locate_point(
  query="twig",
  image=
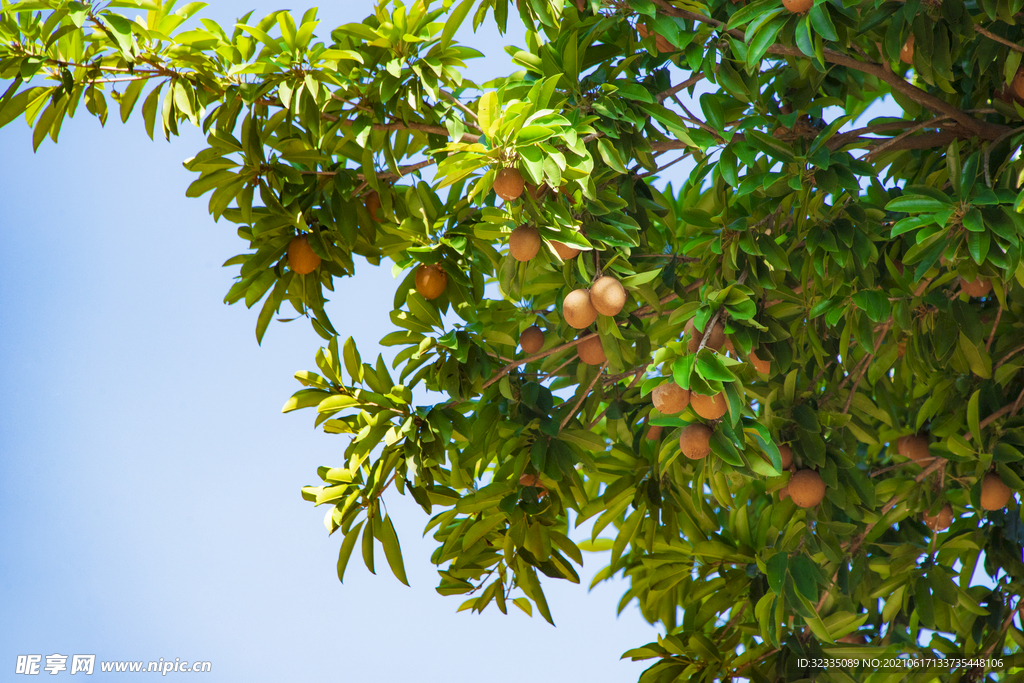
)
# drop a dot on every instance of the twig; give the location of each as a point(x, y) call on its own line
point(998, 39)
point(637, 374)
point(537, 356)
point(995, 324)
point(1008, 356)
point(583, 397)
point(692, 80)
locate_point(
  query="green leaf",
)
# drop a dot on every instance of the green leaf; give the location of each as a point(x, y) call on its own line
point(346, 550)
point(392, 550)
point(874, 303)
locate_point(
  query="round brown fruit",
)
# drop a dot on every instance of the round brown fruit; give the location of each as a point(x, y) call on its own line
point(577, 309)
point(798, 6)
point(301, 258)
point(608, 295)
point(670, 398)
point(786, 455)
point(914, 447)
point(695, 441)
point(709, 407)
point(806, 488)
point(590, 351)
point(979, 288)
point(716, 341)
point(524, 243)
point(660, 41)
point(994, 493)
point(654, 432)
point(372, 205)
point(941, 520)
point(431, 280)
point(1017, 85)
point(509, 184)
point(564, 251)
point(529, 480)
point(763, 367)
point(532, 339)
point(907, 51)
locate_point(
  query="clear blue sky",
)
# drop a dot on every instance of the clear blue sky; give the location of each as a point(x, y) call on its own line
point(149, 486)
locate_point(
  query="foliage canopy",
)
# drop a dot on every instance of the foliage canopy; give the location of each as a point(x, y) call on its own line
point(872, 274)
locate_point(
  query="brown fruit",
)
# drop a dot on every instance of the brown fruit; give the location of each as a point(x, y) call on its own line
point(372, 205)
point(577, 309)
point(942, 519)
point(537, 191)
point(907, 51)
point(564, 251)
point(590, 351)
point(301, 258)
point(994, 493)
point(764, 367)
point(806, 488)
point(978, 288)
point(607, 295)
point(660, 41)
point(509, 184)
point(431, 280)
point(853, 639)
point(532, 339)
point(670, 398)
point(1017, 85)
point(524, 243)
point(784, 493)
point(716, 341)
point(914, 447)
point(798, 6)
point(529, 480)
point(695, 441)
point(709, 407)
point(654, 432)
point(786, 454)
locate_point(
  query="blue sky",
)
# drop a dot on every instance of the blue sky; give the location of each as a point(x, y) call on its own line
point(149, 485)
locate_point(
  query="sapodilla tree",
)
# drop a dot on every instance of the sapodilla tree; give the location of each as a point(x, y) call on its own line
point(853, 217)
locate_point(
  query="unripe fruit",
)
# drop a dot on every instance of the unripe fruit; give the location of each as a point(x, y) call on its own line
point(942, 519)
point(590, 351)
point(709, 407)
point(806, 488)
point(979, 288)
point(654, 432)
point(577, 309)
point(431, 281)
point(798, 6)
point(509, 184)
point(907, 51)
point(695, 441)
point(763, 367)
point(914, 447)
point(786, 455)
point(716, 341)
point(994, 493)
point(372, 205)
point(524, 243)
point(670, 398)
point(607, 295)
point(564, 251)
point(301, 258)
point(532, 339)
